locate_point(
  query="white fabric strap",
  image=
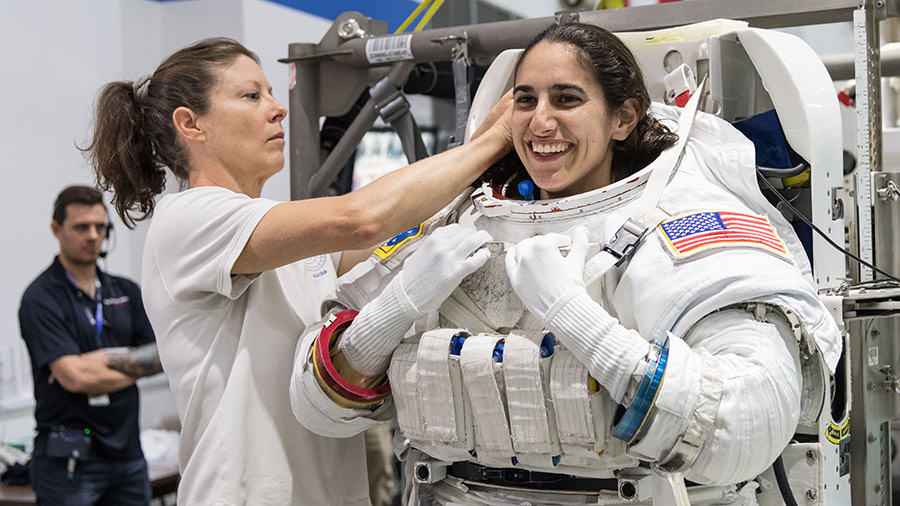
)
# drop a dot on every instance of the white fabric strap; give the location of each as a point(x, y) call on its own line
point(404, 377)
point(688, 445)
point(454, 436)
point(646, 211)
point(536, 399)
point(595, 268)
point(492, 439)
point(435, 386)
point(668, 161)
point(528, 414)
point(669, 489)
point(574, 417)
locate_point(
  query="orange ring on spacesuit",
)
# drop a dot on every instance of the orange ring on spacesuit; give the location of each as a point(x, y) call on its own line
point(328, 373)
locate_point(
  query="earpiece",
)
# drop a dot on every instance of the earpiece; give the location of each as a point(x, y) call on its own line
point(107, 237)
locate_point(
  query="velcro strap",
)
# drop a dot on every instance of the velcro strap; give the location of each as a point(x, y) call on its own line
point(435, 386)
point(595, 268)
point(688, 445)
point(491, 427)
point(528, 414)
point(404, 376)
point(569, 391)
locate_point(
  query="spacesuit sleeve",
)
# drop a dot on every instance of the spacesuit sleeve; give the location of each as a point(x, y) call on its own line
point(732, 384)
point(315, 410)
point(735, 382)
point(311, 405)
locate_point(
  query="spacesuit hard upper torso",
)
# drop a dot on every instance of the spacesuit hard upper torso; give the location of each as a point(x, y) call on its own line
point(662, 292)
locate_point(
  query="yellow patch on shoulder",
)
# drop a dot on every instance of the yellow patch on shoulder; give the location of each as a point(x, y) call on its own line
point(395, 243)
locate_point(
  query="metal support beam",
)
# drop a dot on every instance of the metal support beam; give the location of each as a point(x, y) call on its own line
point(304, 120)
point(340, 61)
point(867, 42)
point(874, 357)
point(488, 39)
point(759, 13)
point(842, 66)
point(345, 147)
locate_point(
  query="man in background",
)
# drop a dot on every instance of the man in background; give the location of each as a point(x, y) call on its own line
point(89, 340)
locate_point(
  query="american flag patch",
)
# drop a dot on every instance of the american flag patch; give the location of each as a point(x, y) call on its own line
point(699, 232)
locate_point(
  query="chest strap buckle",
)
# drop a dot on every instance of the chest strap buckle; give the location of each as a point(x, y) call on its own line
point(625, 240)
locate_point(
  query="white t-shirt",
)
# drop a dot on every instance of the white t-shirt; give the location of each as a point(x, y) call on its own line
point(227, 346)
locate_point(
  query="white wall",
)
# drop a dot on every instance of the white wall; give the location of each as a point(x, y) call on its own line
point(268, 29)
point(57, 54)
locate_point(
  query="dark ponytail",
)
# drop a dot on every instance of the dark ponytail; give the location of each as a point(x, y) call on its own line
point(122, 153)
point(134, 136)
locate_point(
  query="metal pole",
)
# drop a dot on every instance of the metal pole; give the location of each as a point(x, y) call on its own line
point(868, 123)
point(337, 54)
point(304, 120)
point(488, 39)
point(320, 180)
point(870, 412)
point(841, 66)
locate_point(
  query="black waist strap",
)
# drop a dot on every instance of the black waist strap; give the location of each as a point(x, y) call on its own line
point(523, 478)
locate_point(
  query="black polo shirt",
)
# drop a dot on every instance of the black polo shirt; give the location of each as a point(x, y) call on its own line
point(55, 319)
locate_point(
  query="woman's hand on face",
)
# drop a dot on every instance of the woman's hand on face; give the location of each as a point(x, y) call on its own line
point(541, 275)
point(497, 120)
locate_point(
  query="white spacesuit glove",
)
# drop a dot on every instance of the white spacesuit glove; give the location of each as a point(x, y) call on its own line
point(447, 256)
point(541, 276)
point(427, 278)
point(552, 288)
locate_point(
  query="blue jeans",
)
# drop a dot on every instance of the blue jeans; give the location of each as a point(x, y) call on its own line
point(95, 482)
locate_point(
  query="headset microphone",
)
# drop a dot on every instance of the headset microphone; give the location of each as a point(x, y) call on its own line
point(109, 229)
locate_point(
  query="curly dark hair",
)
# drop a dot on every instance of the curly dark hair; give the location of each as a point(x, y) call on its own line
point(617, 72)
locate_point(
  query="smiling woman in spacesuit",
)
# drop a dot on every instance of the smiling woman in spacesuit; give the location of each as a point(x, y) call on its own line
point(544, 379)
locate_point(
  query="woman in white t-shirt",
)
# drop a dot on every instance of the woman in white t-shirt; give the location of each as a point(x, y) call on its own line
point(230, 279)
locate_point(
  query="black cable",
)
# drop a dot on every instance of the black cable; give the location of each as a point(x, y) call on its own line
point(878, 284)
point(781, 477)
point(824, 236)
point(782, 173)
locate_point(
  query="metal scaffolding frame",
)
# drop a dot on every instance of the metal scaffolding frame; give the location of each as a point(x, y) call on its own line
point(331, 75)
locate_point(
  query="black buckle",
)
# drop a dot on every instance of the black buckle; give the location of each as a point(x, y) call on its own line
point(625, 240)
point(516, 475)
point(524, 478)
point(490, 473)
